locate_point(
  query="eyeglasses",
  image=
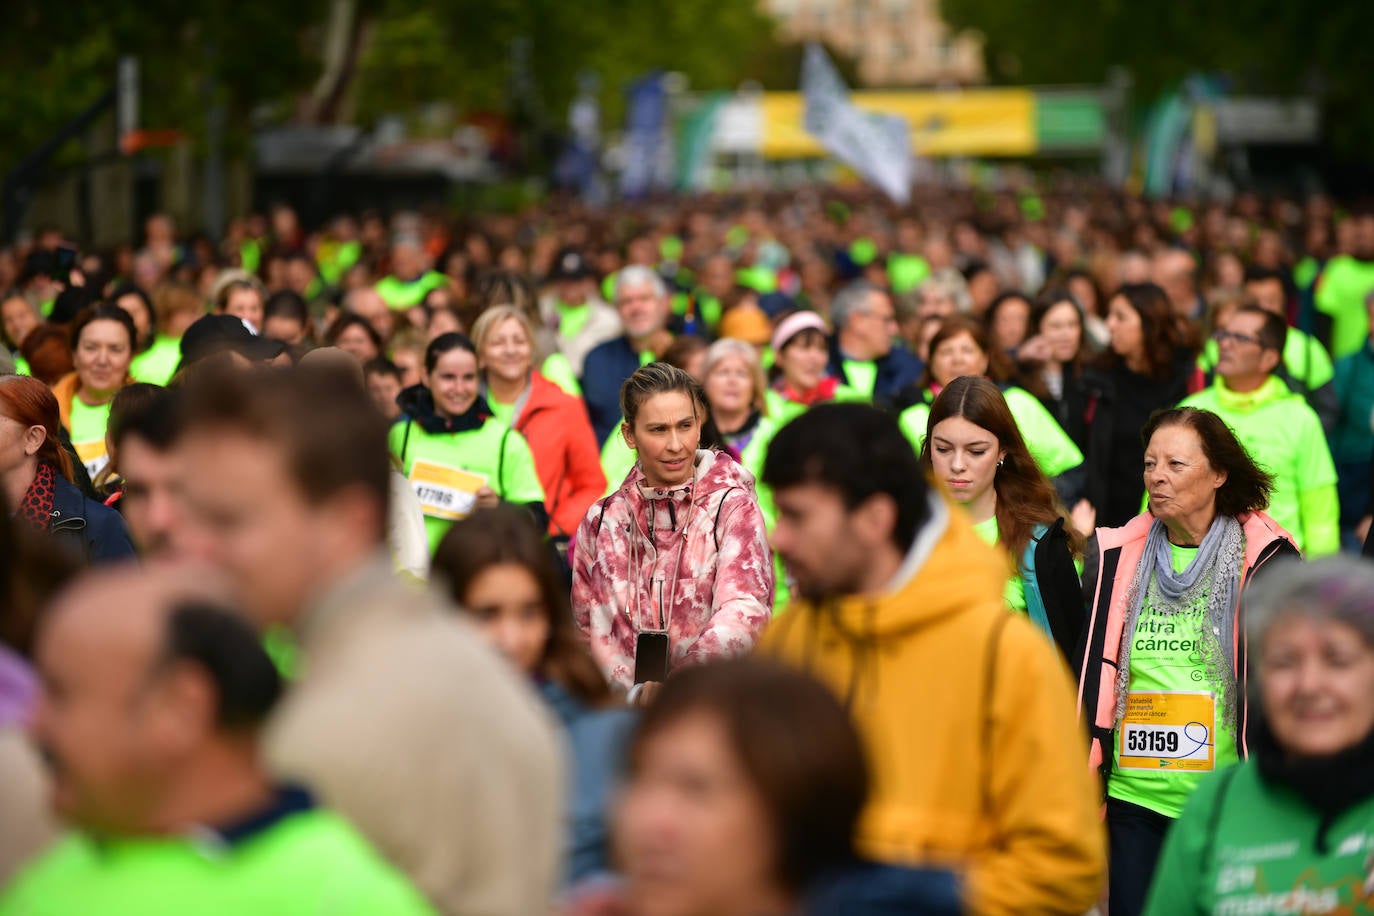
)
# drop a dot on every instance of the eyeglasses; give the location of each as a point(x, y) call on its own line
point(1221, 336)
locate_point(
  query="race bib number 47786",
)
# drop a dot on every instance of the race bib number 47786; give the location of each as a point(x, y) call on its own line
point(445, 492)
point(1168, 730)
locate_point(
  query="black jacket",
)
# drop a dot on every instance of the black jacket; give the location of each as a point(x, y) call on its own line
point(91, 532)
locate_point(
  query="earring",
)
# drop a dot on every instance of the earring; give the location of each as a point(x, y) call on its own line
point(1001, 461)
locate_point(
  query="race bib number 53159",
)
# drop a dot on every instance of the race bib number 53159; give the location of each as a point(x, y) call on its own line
point(1168, 730)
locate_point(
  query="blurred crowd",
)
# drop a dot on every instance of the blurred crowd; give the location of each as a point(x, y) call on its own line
point(757, 554)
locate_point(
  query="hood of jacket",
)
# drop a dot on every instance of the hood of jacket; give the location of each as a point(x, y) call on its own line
point(947, 569)
point(1272, 391)
point(417, 404)
point(714, 471)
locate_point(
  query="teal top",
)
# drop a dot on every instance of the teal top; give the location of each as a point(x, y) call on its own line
point(310, 861)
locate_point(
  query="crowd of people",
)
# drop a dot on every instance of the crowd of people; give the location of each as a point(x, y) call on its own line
point(757, 555)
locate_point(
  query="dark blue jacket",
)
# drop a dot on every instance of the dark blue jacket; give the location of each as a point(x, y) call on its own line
point(871, 889)
point(898, 369)
point(597, 740)
point(606, 368)
point(94, 533)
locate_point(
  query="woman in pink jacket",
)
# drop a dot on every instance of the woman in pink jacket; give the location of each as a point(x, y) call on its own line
point(673, 568)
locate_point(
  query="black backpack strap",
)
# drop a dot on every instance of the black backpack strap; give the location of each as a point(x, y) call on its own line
point(501, 465)
point(405, 441)
point(715, 529)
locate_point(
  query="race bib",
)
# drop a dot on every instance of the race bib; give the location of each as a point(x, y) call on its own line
point(1168, 731)
point(445, 492)
point(92, 455)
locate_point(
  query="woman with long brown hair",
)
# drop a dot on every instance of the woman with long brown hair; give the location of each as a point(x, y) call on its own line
point(497, 565)
point(974, 448)
point(36, 474)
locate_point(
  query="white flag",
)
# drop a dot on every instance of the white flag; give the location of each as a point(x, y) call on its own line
point(876, 146)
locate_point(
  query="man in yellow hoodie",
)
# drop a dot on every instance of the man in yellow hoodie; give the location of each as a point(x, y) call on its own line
point(967, 711)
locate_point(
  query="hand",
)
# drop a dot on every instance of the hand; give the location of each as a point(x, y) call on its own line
point(647, 691)
point(1362, 528)
point(1083, 518)
point(1035, 349)
point(487, 498)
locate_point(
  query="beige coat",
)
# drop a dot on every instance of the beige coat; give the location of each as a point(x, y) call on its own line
point(408, 725)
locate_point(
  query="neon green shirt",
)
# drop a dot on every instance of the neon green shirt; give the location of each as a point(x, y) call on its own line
point(862, 375)
point(503, 412)
point(21, 366)
point(1284, 436)
point(572, 318)
point(308, 862)
point(88, 434)
point(158, 363)
point(1054, 452)
point(335, 258)
point(1340, 293)
point(1164, 659)
point(1014, 592)
point(906, 271)
point(559, 370)
point(403, 294)
point(492, 455)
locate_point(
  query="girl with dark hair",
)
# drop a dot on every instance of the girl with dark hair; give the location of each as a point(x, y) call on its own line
point(1164, 657)
point(974, 448)
point(1052, 362)
point(455, 452)
point(960, 348)
point(673, 568)
point(36, 474)
point(1008, 321)
point(496, 565)
point(1146, 368)
point(103, 339)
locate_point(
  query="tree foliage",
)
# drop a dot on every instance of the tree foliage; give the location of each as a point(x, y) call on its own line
point(60, 57)
point(1266, 46)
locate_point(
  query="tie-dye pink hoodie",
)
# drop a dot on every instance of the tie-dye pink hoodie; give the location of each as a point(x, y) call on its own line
point(693, 560)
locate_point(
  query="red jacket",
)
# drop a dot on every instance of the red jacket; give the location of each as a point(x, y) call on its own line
point(566, 456)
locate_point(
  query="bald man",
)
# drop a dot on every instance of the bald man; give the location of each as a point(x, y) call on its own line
point(153, 696)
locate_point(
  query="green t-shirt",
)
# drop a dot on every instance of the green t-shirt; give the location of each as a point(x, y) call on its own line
point(557, 369)
point(1341, 289)
point(906, 271)
point(1169, 745)
point(454, 466)
point(1248, 845)
point(307, 862)
point(862, 375)
point(572, 318)
point(158, 363)
point(88, 434)
point(1014, 592)
point(403, 294)
point(503, 412)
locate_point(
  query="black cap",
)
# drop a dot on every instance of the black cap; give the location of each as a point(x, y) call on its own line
point(570, 265)
point(211, 334)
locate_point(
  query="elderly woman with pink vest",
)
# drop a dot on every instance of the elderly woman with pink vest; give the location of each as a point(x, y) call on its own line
point(673, 568)
point(1163, 669)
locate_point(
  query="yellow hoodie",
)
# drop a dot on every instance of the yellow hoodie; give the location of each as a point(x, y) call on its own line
point(968, 717)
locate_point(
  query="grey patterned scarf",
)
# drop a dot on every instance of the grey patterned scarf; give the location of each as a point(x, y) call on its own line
point(1214, 573)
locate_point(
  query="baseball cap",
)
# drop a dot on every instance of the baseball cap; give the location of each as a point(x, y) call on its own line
point(570, 265)
point(211, 334)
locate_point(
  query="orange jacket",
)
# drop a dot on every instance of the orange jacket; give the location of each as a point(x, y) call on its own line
point(566, 456)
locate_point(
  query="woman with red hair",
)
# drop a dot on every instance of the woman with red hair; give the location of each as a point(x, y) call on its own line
point(37, 476)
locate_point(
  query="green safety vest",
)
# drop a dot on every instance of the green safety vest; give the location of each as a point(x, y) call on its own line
point(453, 466)
point(88, 434)
point(308, 862)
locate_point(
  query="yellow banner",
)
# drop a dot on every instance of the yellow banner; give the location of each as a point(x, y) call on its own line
point(973, 122)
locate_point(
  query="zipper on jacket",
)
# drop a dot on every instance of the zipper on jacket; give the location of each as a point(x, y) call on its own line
point(662, 617)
